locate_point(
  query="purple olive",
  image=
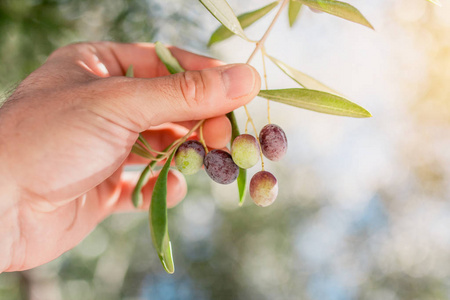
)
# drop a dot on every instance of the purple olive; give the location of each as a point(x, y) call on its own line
point(220, 167)
point(273, 142)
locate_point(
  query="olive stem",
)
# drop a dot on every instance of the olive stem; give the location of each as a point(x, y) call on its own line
point(202, 140)
point(260, 46)
point(147, 145)
point(260, 43)
point(166, 153)
point(263, 54)
point(187, 135)
point(139, 150)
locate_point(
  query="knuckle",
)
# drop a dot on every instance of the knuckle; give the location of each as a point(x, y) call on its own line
point(61, 52)
point(75, 49)
point(192, 86)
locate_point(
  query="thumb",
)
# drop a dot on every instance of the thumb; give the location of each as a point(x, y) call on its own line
point(138, 103)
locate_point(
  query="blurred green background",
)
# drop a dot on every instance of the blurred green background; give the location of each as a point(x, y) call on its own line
point(363, 210)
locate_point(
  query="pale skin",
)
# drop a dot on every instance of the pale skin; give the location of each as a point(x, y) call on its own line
point(66, 134)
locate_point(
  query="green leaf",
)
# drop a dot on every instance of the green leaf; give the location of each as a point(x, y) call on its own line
point(437, 2)
point(245, 20)
point(234, 126)
point(304, 80)
point(339, 9)
point(316, 101)
point(136, 196)
point(225, 15)
point(158, 218)
point(168, 59)
point(294, 9)
point(141, 151)
point(242, 185)
point(242, 177)
point(130, 72)
point(173, 67)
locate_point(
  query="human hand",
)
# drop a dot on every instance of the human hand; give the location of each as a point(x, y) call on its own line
point(67, 131)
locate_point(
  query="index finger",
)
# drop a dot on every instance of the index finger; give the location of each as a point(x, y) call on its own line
point(113, 59)
point(146, 62)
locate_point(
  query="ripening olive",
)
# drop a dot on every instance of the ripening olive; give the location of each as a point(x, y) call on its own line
point(263, 188)
point(189, 157)
point(245, 151)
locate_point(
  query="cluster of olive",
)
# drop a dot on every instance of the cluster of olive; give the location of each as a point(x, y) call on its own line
point(223, 167)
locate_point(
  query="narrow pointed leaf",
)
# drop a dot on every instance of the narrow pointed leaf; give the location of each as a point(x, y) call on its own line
point(316, 101)
point(301, 78)
point(234, 126)
point(225, 15)
point(294, 9)
point(245, 20)
point(130, 72)
point(168, 59)
point(136, 196)
point(158, 218)
point(242, 177)
point(339, 9)
point(158, 207)
point(141, 151)
point(437, 2)
point(242, 185)
point(167, 260)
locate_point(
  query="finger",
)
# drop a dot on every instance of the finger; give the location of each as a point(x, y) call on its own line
point(138, 104)
point(217, 132)
point(106, 59)
point(135, 54)
point(187, 124)
point(176, 190)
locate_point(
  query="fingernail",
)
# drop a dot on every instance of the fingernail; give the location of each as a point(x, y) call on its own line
point(239, 80)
